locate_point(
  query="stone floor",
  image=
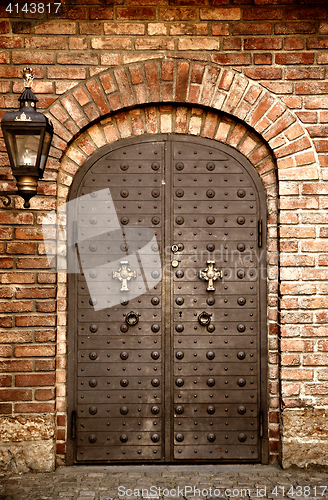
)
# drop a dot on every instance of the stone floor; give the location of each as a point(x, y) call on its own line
point(167, 482)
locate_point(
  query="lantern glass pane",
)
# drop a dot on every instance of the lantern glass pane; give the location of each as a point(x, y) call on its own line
point(27, 150)
point(45, 150)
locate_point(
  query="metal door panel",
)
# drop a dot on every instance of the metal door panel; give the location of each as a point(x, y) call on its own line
point(113, 411)
point(147, 315)
point(217, 315)
point(101, 397)
point(219, 423)
point(216, 341)
point(189, 362)
point(221, 207)
point(200, 438)
point(199, 382)
point(221, 452)
point(215, 396)
point(98, 342)
point(118, 454)
point(107, 369)
point(117, 424)
point(116, 383)
point(219, 221)
point(243, 369)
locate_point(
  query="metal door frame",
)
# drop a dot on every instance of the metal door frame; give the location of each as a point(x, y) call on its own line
point(72, 284)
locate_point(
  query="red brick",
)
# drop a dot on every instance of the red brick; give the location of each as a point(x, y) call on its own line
point(83, 58)
point(32, 263)
point(315, 360)
point(61, 420)
point(33, 57)
point(297, 345)
point(36, 320)
point(123, 84)
point(220, 29)
point(167, 71)
point(152, 76)
point(240, 59)
point(21, 248)
point(296, 374)
point(279, 125)
point(258, 28)
point(311, 88)
point(5, 408)
point(128, 13)
point(43, 42)
point(294, 28)
point(74, 111)
point(178, 14)
point(295, 58)
point(98, 96)
point(4, 27)
point(305, 12)
point(262, 43)
point(15, 395)
point(196, 43)
point(264, 73)
point(231, 44)
point(43, 365)
point(90, 29)
point(220, 14)
point(34, 407)
point(47, 306)
point(136, 74)
point(35, 380)
point(263, 59)
point(44, 394)
point(294, 43)
point(6, 263)
point(35, 351)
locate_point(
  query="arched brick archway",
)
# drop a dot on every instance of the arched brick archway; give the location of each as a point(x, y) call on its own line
point(164, 96)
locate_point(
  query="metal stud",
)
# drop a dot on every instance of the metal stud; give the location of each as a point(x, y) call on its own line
point(155, 220)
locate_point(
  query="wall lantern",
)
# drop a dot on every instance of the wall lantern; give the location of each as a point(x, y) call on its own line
point(27, 135)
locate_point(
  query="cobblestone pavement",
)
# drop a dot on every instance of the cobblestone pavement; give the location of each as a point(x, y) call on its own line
point(197, 482)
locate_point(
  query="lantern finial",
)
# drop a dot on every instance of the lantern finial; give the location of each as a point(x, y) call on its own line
point(28, 76)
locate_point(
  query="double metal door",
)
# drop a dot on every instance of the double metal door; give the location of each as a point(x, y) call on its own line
point(167, 317)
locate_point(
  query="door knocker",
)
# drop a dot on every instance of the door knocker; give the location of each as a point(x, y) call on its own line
point(204, 318)
point(132, 318)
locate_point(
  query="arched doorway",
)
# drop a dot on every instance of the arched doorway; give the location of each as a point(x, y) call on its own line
point(167, 326)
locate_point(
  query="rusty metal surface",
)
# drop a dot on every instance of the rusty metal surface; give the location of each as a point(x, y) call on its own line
point(175, 373)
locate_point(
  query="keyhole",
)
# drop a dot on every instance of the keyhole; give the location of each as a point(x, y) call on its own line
point(180, 314)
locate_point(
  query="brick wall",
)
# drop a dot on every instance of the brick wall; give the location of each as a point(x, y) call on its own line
point(260, 62)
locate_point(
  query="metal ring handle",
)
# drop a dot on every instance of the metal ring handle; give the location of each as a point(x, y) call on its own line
point(132, 318)
point(204, 318)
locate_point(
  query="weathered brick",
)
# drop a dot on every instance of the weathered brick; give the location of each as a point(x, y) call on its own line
point(128, 13)
point(34, 379)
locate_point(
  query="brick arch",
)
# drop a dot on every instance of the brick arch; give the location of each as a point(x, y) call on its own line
point(168, 81)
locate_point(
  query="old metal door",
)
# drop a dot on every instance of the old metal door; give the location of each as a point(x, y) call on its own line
point(176, 372)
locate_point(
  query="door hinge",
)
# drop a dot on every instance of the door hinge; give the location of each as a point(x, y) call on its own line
point(261, 423)
point(73, 428)
point(259, 233)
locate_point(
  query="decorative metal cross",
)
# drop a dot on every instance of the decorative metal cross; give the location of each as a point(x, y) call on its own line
point(124, 274)
point(210, 274)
